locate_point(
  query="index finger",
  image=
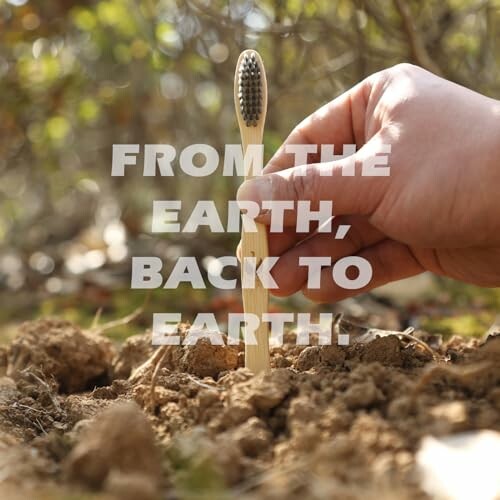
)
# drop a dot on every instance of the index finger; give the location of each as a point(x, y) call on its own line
point(339, 122)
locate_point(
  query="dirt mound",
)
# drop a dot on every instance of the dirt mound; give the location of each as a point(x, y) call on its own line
point(327, 421)
point(75, 359)
point(116, 452)
point(202, 359)
point(134, 351)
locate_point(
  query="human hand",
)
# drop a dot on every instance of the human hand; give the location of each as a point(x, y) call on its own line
point(439, 210)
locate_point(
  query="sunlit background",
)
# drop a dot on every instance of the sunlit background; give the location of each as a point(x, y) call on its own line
point(79, 76)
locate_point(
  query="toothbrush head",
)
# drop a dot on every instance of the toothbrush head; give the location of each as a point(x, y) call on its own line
point(250, 88)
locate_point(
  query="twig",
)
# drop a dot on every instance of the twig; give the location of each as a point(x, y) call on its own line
point(47, 387)
point(151, 361)
point(20, 405)
point(119, 322)
point(408, 335)
point(39, 425)
point(336, 325)
point(122, 321)
point(417, 47)
point(201, 384)
point(96, 319)
point(164, 351)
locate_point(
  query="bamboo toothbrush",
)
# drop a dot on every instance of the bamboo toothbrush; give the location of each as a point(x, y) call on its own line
point(250, 98)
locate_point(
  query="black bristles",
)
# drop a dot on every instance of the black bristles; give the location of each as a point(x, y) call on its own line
point(250, 90)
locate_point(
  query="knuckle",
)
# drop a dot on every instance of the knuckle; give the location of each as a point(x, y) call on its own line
point(355, 238)
point(379, 263)
point(305, 183)
point(404, 67)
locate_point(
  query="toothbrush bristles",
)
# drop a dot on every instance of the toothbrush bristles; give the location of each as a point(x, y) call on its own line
point(250, 90)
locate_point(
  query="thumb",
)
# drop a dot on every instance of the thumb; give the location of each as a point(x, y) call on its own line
point(355, 184)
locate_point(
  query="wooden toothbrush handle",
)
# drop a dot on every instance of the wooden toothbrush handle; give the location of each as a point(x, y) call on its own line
point(250, 99)
point(256, 300)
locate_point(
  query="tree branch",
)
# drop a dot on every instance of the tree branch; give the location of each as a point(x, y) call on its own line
point(417, 47)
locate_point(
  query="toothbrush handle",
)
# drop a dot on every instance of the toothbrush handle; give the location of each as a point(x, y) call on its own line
point(254, 244)
point(256, 300)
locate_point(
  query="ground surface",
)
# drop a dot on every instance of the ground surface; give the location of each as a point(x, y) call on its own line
point(80, 416)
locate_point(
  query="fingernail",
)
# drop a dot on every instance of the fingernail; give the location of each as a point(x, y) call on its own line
point(257, 190)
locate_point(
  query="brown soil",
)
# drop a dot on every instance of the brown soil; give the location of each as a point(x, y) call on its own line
point(78, 414)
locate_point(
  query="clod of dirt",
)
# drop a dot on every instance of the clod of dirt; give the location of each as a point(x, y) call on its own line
point(135, 351)
point(362, 395)
point(263, 392)
point(80, 407)
point(21, 464)
point(76, 359)
point(202, 359)
point(328, 355)
point(252, 437)
point(385, 350)
point(332, 355)
point(131, 486)
point(308, 358)
point(206, 360)
point(117, 451)
point(30, 406)
point(490, 350)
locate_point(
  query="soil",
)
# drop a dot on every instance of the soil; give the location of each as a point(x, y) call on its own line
point(79, 414)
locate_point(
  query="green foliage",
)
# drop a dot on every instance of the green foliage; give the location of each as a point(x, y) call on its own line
point(462, 295)
point(466, 310)
point(465, 325)
point(192, 462)
point(77, 76)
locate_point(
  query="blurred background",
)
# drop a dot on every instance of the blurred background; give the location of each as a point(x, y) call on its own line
point(77, 76)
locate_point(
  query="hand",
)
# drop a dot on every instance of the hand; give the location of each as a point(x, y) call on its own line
point(439, 210)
